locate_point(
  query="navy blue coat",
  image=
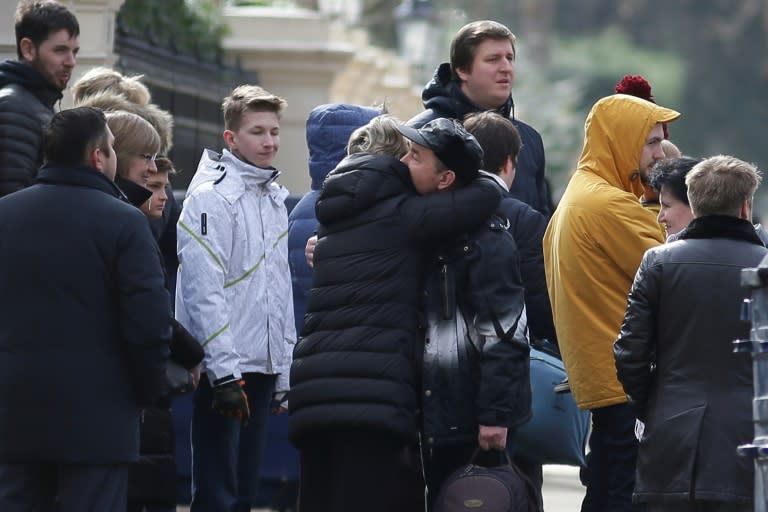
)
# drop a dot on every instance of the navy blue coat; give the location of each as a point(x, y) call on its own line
point(527, 227)
point(86, 321)
point(328, 131)
point(443, 98)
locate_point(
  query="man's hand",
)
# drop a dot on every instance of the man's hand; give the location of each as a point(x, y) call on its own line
point(279, 403)
point(230, 400)
point(492, 438)
point(309, 251)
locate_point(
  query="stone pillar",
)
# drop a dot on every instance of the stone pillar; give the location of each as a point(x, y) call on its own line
point(7, 35)
point(294, 56)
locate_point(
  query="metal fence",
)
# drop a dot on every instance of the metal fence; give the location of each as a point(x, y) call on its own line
point(187, 86)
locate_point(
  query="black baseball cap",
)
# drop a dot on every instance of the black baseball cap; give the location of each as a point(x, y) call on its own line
point(454, 146)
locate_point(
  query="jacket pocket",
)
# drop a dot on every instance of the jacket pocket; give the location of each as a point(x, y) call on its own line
point(667, 454)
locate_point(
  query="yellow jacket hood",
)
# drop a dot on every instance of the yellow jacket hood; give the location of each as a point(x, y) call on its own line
point(614, 135)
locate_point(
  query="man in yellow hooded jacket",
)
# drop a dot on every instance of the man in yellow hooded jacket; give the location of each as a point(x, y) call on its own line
point(592, 249)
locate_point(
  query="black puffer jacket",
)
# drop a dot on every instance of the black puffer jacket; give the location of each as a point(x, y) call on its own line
point(356, 364)
point(476, 364)
point(26, 106)
point(683, 314)
point(443, 97)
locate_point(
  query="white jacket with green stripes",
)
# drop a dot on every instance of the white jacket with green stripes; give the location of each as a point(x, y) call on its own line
point(233, 290)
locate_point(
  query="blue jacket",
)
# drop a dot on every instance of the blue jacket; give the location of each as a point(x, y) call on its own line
point(443, 98)
point(328, 130)
point(527, 227)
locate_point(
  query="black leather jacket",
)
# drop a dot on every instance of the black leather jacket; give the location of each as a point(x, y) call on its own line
point(476, 365)
point(675, 359)
point(26, 106)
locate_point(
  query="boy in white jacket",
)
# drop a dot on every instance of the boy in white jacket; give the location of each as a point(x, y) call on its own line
point(234, 294)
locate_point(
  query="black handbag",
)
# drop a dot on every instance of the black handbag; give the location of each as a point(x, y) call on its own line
point(501, 488)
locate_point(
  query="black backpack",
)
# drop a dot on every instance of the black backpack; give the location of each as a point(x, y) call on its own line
point(476, 488)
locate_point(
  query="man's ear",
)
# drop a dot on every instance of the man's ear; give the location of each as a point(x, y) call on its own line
point(507, 171)
point(28, 49)
point(746, 210)
point(95, 158)
point(229, 138)
point(462, 74)
point(446, 180)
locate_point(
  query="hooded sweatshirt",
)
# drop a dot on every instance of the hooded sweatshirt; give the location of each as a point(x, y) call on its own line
point(328, 130)
point(595, 241)
point(26, 106)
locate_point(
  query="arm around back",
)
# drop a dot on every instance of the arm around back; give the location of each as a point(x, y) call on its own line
point(444, 214)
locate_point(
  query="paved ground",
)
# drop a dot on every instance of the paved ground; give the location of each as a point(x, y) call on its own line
point(563, 491)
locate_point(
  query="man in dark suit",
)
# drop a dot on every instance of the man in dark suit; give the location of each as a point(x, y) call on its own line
point(85, 327)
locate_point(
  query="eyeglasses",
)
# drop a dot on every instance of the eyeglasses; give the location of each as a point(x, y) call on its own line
point(148, 157)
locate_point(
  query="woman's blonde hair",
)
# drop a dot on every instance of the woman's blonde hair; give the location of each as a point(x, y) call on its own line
point(100, 79)
point(380, 135)
point(134, 137)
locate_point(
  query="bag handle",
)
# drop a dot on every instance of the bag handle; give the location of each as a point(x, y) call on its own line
point(478, 450)
point(533, 494)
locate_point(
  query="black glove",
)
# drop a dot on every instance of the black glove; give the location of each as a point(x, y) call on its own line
point(230, 400)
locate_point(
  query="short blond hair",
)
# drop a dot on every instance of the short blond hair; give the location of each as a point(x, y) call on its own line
point(380, 135)
point(245, 98)
point(134, 136)
point(100, 79)
point(719, 185)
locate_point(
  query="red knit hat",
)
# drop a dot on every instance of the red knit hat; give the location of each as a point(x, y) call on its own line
point(637, 85)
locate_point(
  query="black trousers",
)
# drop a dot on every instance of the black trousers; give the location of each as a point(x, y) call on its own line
point(63, 487)
point(350, 472)
point(610, 472)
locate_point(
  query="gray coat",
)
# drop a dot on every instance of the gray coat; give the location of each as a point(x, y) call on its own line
point(675, 360)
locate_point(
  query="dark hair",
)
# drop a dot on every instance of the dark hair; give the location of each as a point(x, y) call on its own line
point(670, 174)
point(469, 37)
point(72, 133)
point(497, 136)
point(36, 20)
